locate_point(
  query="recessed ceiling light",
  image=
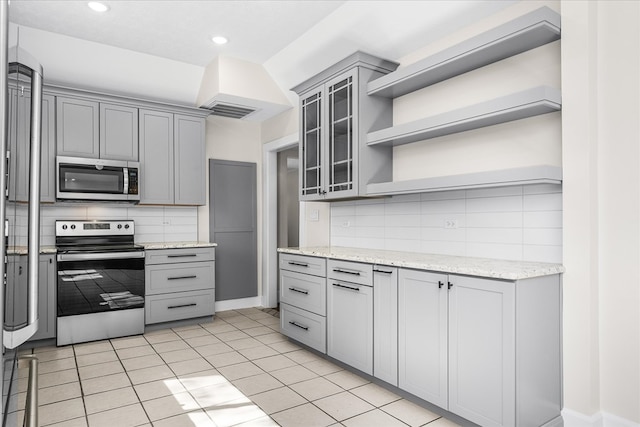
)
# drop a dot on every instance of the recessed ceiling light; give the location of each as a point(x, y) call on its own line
point(219, 39)
point(97, 6)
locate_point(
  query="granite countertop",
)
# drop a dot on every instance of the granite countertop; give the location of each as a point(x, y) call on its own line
point(176, 245)
point(482, 267)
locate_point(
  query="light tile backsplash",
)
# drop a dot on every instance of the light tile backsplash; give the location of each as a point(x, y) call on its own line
point(518, 223)
point(152, 223)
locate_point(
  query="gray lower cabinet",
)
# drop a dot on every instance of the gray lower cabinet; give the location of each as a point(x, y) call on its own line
point(385, 323)
point(303, 299)
point(172, 158)
point(179, 284)
point(46, 299)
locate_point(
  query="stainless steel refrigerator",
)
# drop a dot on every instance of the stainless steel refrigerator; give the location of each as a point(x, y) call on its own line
point(20, 133)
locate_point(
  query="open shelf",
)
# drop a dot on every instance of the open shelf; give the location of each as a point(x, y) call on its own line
point(543, 174)
point(526, 32)
point(519, 105)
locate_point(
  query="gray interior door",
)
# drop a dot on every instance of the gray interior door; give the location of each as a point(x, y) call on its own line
point(232, 225)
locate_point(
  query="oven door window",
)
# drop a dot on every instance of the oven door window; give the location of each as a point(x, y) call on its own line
point(88, 179)
point(96, 286)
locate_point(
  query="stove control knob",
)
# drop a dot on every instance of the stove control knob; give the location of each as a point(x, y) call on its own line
point(126, 226)
point(64, 226)
point(119, 226)
point(73, 226)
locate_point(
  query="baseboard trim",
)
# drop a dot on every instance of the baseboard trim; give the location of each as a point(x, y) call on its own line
point(600, 419)
point(234, 304)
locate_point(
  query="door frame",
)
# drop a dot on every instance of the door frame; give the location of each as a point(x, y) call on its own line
point(270, 216)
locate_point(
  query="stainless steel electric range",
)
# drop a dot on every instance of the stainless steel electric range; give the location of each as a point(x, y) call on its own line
point(100, 281)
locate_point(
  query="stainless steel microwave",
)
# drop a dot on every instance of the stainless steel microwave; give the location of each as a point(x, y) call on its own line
point(96, 179)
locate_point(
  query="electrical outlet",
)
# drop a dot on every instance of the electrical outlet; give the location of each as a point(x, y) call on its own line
point(346, 224)
point(315, 215)
point(450, 223)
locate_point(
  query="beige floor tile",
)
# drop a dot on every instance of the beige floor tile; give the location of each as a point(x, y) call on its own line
point(316, 388)
point(159, 388)
point(169, 406)
point(375, 418)
point(146, 375)
point(265, 421)
point(227, 313)
point(202, 379)
point(60, 411)
point(165, 347)
point(192, 332)
point(95, 358)
point(57, 378)
point(106, 383)
point(58, 393)
point(92, 347)
point(321, 367)
point(312, 416)
point(219, 328)
point(142, 362)
point(190, 366)
point(258, 352)
point(126, 416)
point(284, 346)
point(271, 338)
point(273, 321)
point(443, 422)
point(303, 356)
point(202, 340)
point(259, 315)
point(238, 318)
point(100, 370)
point(227, 337)
point(274, 363)
point(234, 413)
point(409, 412)
point(278, 400)
point(197, 418)
point(343, 405)
point(240, 370)
point(128, 342)
point(375, 394)
point(46, 354)
point(247, 324)
point(215, 395)
point(161, 336)
point(244, 343)
point(76, 422)
point(208, 350)
point(54, 365)
point(180, 355)
point(347, 380)
point(256, 384)
point(226, 359)
point(110, 400)
point(128, 353)
point(259, 330)
point(293, 374)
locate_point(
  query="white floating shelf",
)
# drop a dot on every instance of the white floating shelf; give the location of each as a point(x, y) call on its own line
point(526, 32)
point(543, 174)
point(519, 105)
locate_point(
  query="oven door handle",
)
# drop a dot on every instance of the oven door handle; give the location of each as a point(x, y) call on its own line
point(100, 256)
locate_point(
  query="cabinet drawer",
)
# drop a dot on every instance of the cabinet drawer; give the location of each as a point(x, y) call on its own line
point(304, 291)
point(166, 278)
point(164, 256)
point(308, 328)
point(303, 264)
point(354, 272)
point(178, 306)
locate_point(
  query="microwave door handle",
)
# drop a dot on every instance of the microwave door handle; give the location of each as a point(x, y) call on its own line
point(126, 180)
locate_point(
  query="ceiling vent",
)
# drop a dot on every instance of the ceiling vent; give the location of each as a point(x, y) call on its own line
point(233, 111)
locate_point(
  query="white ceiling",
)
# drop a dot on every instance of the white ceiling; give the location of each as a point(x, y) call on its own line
point(293, 40)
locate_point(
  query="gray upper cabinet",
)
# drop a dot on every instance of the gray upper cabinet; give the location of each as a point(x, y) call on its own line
point(172, 159)
point(189, 160)
point(19, 142)
point(156, 157)
point(336, 115)
point(118, 132)
point(77, 127)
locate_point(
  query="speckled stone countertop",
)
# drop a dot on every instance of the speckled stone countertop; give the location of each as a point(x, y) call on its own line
point(176, 245)
point(22, 250)
point(482, 267)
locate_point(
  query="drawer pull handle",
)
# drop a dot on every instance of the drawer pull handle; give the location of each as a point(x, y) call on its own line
point(306, 328)
point(339, 270)
point(193, 304)
point(299, 264)
point(382, 271)
point(181, 255)
point(299, 290)
point(182, 277)
point(346, 287)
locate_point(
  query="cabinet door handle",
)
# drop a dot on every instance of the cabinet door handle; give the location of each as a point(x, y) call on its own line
point(193, 304)
point(181, 277)
point(181, 255)
point(449, 285)
point(306, 328)
point(299, 291)
point(382, 271)
point(339, 270)
point(299, 264)
point(346, 287)
point(440, 284)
